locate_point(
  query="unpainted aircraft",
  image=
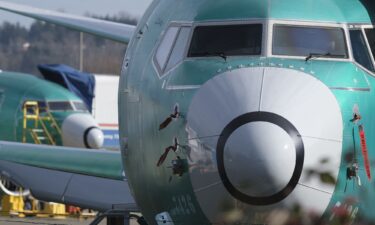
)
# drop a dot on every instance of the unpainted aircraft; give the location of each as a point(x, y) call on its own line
point(33, 110)
point(230, 112)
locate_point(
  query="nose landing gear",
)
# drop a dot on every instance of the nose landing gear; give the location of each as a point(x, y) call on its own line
point(118, 217)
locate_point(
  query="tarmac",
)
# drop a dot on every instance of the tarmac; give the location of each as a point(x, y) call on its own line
point(45, 221)
point(50, 221)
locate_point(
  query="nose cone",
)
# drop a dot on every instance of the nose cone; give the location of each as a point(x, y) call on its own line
point(254, 135)
point(94, 138)
point(257, 158)
point(81, 130)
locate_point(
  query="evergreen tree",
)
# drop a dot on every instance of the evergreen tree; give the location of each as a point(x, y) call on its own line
point(22, 49)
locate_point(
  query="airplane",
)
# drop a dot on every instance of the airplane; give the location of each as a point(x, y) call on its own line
point(33, 110)
point(230, 112)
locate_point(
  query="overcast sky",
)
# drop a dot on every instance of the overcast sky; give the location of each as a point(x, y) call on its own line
point(134, 8)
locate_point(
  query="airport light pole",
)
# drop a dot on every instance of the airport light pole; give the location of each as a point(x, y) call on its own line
point(81, 51)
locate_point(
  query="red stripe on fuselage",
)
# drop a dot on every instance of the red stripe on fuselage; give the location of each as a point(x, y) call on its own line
point(365, 151)
point(108, 125)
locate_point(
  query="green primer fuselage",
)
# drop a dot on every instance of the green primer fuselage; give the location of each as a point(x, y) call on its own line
point(15, 89)
point(144, 103)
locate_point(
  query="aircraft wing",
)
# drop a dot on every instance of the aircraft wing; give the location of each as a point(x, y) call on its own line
point(87, 178)
point(115, 31)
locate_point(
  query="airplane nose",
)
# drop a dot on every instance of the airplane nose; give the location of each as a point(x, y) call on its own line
point(93, 138)
point(80, 130)
point(254, 136)
point(260, 158)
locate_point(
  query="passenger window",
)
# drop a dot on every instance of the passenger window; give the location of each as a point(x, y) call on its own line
point(360, 51)
point(226, 40)
point(172, 47)
point(328, 42)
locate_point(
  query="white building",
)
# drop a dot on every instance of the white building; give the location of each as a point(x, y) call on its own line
point(105, 108)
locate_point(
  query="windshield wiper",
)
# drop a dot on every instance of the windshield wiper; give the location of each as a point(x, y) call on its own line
point(328, 54)
point(220, 54)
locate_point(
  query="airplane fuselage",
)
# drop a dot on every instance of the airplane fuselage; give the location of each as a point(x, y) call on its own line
point(54, 103)
point(260, 129)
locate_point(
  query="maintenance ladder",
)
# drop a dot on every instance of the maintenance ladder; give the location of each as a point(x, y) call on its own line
point(39, 125)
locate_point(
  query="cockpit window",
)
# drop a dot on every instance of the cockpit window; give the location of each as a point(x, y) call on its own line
point(171, 49)
point(165, 47)
point(42, 106)
point(370, 33)
point(305, 41)
point(179, 48)
point(360, 51)
point(226, 40)
point(60, 106)
point(80, 106)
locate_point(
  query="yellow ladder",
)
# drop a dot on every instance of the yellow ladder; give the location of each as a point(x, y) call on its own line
point(38, 130)
point(34, 124)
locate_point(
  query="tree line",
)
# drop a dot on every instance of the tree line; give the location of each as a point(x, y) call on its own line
point(22, 48)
